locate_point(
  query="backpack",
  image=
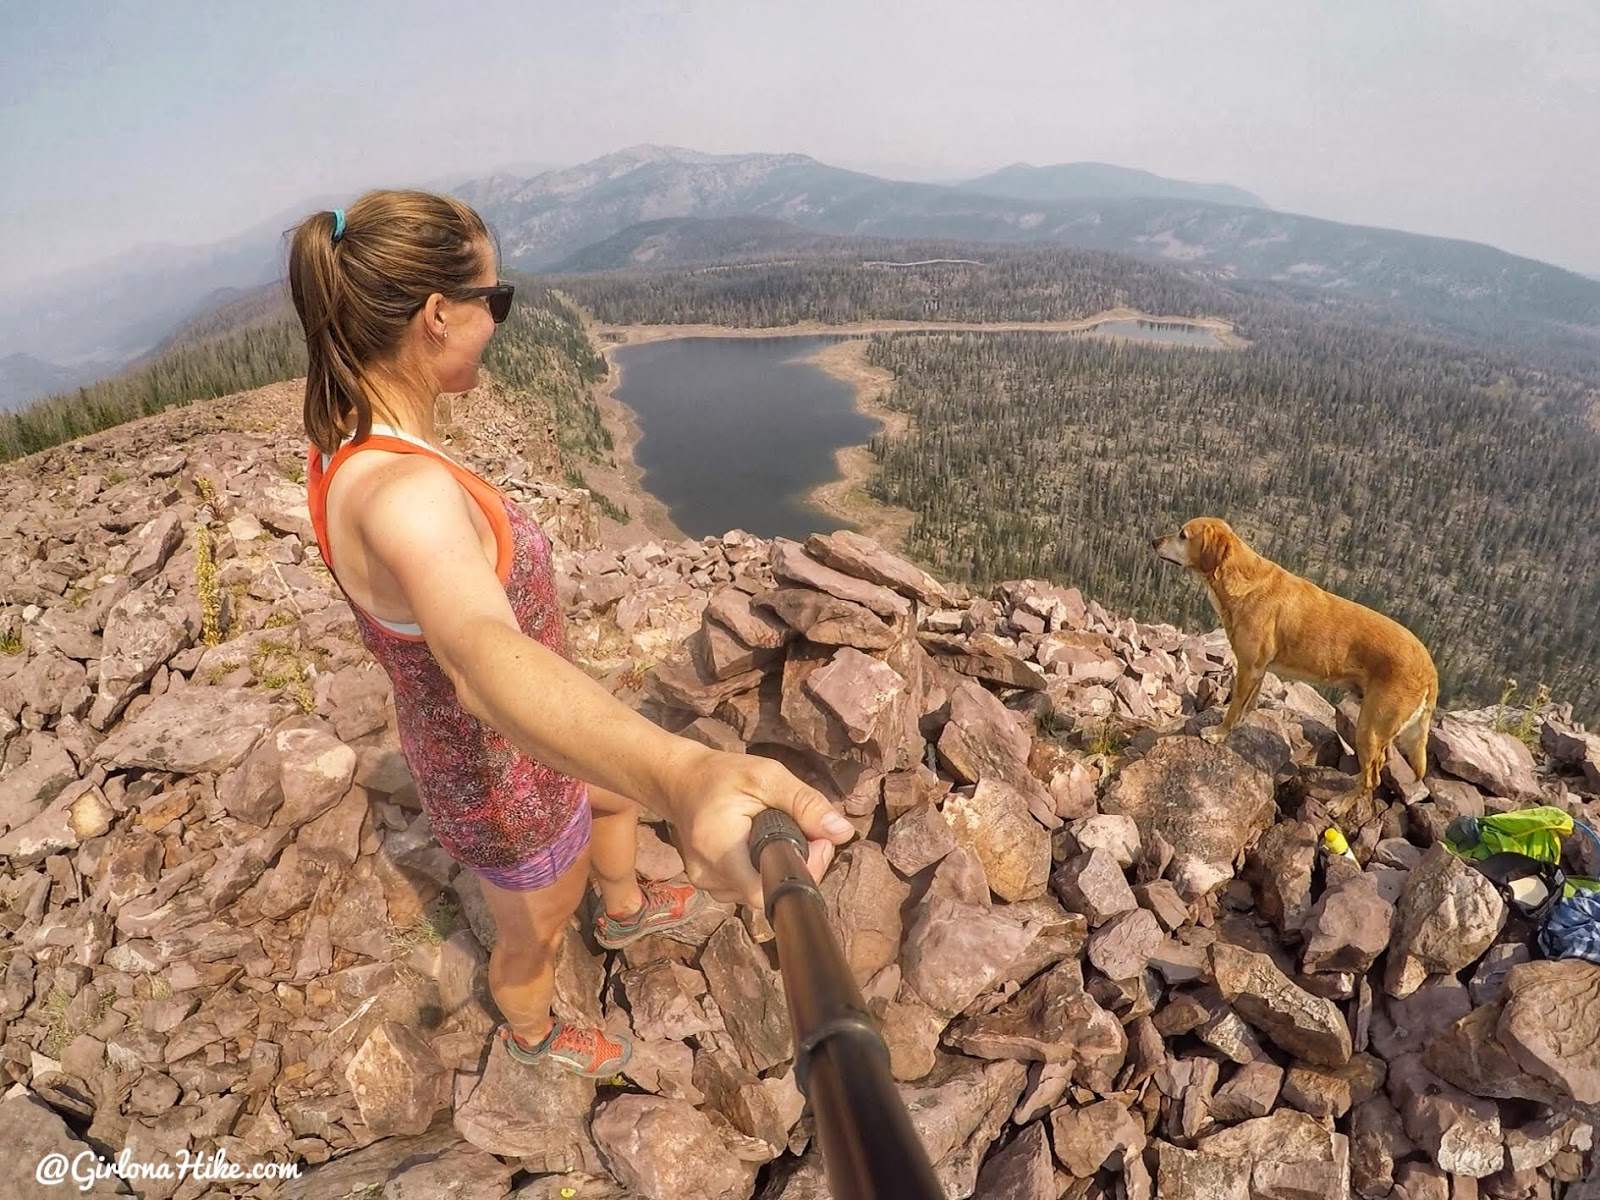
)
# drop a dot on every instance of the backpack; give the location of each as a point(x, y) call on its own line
point(1529, 885)
point(1520, 853)
point(1535, 832)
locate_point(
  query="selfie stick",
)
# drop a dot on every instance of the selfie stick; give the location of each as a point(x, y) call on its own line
point(869, 1149)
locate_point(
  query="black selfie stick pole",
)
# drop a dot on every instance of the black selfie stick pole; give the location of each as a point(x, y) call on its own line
point(869, 1149)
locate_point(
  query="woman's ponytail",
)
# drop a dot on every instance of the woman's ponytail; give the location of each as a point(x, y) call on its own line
point(355, 293)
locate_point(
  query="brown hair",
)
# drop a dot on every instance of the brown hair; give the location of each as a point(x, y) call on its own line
point(355, 296)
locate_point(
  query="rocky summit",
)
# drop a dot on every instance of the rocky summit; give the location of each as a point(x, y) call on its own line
point(1107, 956)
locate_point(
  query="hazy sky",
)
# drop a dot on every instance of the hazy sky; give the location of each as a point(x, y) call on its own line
point(134, 121)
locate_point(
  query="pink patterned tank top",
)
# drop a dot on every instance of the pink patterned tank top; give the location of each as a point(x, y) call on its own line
point(489, 804)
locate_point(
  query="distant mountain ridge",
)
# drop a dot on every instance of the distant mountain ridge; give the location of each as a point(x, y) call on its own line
point(685, 241)
point(545, 222)
point(24, 377)
point(1101, 181)
point(118, 309)
point(106, 316)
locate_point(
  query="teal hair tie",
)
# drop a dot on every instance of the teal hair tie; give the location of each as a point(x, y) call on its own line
point(338, 224)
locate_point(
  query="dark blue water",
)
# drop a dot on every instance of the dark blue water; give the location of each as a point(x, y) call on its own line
point(734, 432)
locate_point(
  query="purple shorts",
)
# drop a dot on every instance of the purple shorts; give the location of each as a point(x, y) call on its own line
point(545, 866)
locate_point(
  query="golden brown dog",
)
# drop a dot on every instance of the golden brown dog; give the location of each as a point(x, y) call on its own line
point(1274, 619)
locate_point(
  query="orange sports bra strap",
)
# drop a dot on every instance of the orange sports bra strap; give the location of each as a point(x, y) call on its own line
point(487, 496)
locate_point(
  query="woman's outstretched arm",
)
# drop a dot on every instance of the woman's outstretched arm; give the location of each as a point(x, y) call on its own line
point(417, 524)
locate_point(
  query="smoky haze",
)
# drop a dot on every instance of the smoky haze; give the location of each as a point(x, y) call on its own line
point(137, 122)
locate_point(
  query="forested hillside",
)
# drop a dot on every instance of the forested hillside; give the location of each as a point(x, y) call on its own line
point(852, 279)
point(856, 279)
point(1469, 512)
point(256, 340)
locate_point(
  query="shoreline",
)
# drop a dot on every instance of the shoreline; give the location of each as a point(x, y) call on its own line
point(612, 336)
point(844, 498)
point(624, 483)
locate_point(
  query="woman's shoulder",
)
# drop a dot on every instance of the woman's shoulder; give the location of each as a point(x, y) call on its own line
point(393, 477)
point(385, 457)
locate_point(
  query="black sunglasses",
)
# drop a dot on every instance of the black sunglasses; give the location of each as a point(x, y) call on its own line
point(499, 298)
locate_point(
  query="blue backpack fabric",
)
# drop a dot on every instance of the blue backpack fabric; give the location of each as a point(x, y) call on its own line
point(1572, 929)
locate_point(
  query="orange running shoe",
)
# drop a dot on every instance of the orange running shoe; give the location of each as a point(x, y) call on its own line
point(666, 906)
point(581, 1049)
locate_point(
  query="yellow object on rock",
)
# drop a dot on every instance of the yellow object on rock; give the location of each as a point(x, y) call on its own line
point(1333, 841)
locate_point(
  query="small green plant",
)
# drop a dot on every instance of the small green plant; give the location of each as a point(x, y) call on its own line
point(300, 689)
point(1521, 721)
point(295, 472)
point(281, 618)
point(1507, 690)
point(205, 573)
point(59, 1032)
point(205, 566)
point(439, 920)
point(431, 928)
point(10, 642)
point(160, 989)
point(633, 678)
point(1053, 724)
point(115, 477)
point(274, 665)
point(1104, 736)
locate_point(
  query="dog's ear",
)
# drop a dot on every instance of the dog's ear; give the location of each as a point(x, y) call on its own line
point(1211, 544)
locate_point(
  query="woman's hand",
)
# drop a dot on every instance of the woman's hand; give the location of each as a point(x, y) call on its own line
point(712, 797)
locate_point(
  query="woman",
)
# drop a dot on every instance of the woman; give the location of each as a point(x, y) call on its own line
point(531, 773)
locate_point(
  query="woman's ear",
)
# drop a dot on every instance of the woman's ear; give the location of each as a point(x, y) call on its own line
point(433, 319)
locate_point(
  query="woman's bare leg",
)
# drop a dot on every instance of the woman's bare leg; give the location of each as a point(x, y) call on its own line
point(528, 935)
point(614, 847)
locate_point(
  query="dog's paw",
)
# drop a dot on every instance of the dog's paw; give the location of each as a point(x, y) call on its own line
point(1214, 735)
